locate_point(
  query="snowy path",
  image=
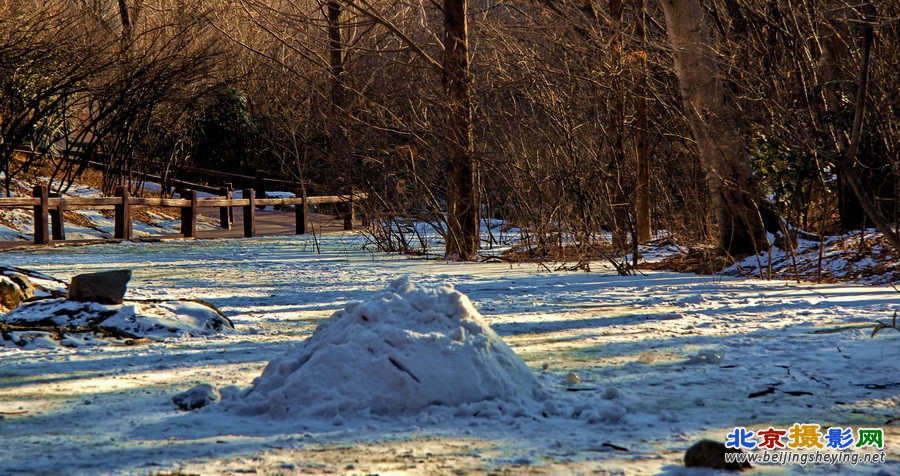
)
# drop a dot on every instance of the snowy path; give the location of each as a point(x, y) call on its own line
point(664, 359)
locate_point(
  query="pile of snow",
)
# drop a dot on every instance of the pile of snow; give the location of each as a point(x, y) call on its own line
point(40, 324)
point(402, 352)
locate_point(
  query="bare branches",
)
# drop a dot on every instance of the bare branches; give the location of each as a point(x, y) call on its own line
point(577, 125)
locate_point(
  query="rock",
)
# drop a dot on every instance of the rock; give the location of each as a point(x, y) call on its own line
point(572, 378)
point(706, 356)
point(711, 454)
point(611, 393)
point(107, 287)
point(15, 288)
point(24, 283)
point(157, 320)
point(38, 285)
point(786, 242)
point(197, 397)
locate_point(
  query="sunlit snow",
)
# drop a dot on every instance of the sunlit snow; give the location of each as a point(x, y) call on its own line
point(661, 359)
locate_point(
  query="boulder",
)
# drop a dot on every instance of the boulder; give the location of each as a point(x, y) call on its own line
point(35, 285)
point(107, 287)
point(197, 397)
point(153, 319)
point(15, 288)
point(76, 323)
point(711, 454)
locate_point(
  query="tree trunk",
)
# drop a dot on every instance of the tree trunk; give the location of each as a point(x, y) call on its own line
point(852, 215)
point(721, 149)
point(641, 151)
point(336, 55)
point(618, 92)
point(463, 201)
point(845, 163)
point(342, 163)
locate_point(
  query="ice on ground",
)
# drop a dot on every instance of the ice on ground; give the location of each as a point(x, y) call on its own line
point(399, 353)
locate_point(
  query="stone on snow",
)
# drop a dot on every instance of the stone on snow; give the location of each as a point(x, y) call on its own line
point(107, 287)
point(15, 288)
point(197, 397)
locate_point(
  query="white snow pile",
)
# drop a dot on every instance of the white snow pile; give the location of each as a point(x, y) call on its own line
point(40, 324)
point(408, 350)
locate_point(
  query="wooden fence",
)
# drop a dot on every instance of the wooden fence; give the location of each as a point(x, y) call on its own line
point(49, 217)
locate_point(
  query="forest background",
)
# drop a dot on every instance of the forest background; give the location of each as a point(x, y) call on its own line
point(587, 124)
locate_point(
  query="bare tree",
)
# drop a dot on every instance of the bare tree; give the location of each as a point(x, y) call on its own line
point(848, 145)
point(49, 55)
point(641, 147)
point(463, 197)
point(720, 146)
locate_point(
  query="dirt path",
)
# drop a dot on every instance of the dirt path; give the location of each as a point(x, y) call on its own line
point(270, 223)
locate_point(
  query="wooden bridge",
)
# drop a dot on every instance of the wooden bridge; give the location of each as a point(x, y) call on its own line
point(49, 211)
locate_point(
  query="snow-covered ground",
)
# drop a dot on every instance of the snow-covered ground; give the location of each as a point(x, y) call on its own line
point(860, 257)
point(635, 369)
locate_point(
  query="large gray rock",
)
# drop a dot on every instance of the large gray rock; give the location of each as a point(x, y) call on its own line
point(107, 287)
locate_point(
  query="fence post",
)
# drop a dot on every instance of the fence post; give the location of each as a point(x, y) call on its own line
point(189, 215)
point(302, 213)
point(249, 214)
point(349, 213)
point(225, 212)
point(41, 234)
point(230, 188)
point(123, 214)
point(57, 215)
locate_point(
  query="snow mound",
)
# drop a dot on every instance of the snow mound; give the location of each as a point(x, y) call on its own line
point(402, 352)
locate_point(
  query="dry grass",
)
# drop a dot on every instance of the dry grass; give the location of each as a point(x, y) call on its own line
point(698, 260)
point(561, 254)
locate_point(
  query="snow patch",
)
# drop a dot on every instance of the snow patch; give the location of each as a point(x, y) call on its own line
point(77, 321)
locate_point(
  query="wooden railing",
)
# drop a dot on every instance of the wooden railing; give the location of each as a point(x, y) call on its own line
point(49, 217)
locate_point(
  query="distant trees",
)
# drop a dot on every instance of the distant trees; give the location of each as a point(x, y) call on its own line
point(47, 59)
point(799, 77)
point(90, 81)
point(565, 118)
